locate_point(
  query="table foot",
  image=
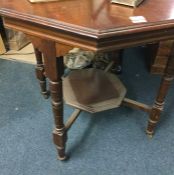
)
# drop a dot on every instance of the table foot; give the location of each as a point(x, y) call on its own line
point(149, 134)
point(62, 158)
point(59, 138)
point(46, 94)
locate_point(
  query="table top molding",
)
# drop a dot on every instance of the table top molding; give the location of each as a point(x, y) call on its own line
point(85, 31)
point(98, 25)
point(96, 19)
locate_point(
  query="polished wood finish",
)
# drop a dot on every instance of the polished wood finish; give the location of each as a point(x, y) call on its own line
point(40, 71)
point(136, 105)
point(54, 70)
point(160, 53)
point(37, 1)
point(98, 26)
point(102, 26)
point(159, 102)
point(93, 90)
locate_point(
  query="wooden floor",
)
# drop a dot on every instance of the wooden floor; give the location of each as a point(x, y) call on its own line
point(25, 55)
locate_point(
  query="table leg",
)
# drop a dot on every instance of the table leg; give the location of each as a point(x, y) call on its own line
point(117, 57)
point(159, 102)
point(54, 68)
point(40, 73)
point(59, 133)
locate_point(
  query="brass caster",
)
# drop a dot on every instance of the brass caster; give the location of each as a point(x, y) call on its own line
point(149, 134)
point(62, 158)
point(46, 94)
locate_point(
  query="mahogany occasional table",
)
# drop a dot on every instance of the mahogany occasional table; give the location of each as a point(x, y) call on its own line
point(95, 25)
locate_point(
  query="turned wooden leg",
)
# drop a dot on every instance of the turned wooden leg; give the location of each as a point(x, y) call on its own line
point(117, 57)
point(40, 73)
point(59, 133)
point(54, 71)
point(159, 103)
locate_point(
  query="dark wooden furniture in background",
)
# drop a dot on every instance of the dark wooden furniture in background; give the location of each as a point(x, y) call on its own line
point(102, 27)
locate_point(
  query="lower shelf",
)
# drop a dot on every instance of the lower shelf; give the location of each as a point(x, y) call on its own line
point(93, 90)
